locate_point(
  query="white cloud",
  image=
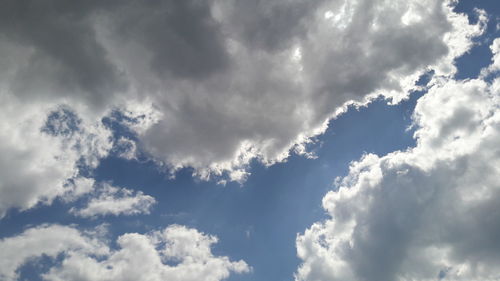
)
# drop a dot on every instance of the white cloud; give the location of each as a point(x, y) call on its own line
point(110, 200)
point(495, 48)
point(48, 240)
point(77, 187)
point(40, 153)
point(176, 253)
point(127, 148)
point(221, 82)
point(429, 213)
point(495, 65)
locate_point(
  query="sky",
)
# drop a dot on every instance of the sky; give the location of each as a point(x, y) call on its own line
point(249, 140)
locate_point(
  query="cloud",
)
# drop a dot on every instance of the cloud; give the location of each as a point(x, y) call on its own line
point(49, 240)
point(273, 98)
point(495, 65)
point(176, 253)
point(110, 200)
point(495, 48)
point(427, 213)
point(43, 148)
point(224, 85)
point(56, 52)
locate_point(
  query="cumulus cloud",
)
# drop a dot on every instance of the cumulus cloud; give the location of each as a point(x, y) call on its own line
point(110, 200)
point(43, 147)
point(224, 82)
point(428, 213)
point(175, 253)
point(275, 96)
point(48, 240)
point(495, 65)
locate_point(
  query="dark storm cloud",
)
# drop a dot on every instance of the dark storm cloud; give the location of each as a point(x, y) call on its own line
point(184, 39)
point(66, 55)
point(63, 40)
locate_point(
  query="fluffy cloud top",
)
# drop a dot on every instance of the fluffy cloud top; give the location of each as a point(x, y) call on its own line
point(428, 213)
point(176, 253)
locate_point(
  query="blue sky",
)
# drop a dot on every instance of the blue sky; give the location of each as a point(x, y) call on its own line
point(256, 219)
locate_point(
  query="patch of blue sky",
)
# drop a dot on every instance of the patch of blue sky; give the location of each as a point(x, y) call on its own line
point(479, 56)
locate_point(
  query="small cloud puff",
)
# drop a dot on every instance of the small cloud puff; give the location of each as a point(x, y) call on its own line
point(110, 200)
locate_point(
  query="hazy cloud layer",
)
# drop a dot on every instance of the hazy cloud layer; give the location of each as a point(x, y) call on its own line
point(87, 256)
point(429, 213)
point(221, 82)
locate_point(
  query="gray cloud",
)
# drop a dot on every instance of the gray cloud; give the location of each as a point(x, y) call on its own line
point(267, 25)
point(64, 54)
point(273, 97)
point(217, 83)
point(182, 36)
